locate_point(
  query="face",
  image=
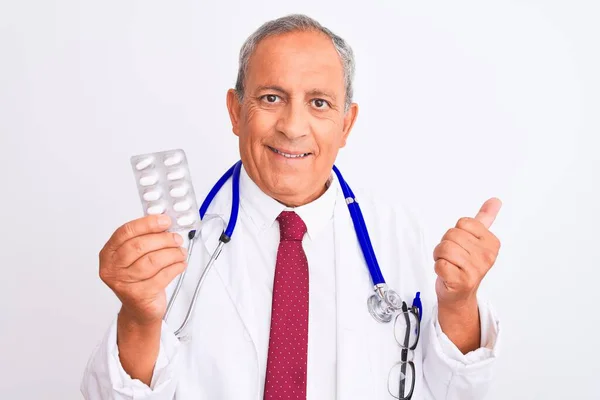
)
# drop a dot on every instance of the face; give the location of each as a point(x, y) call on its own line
point(291, 122)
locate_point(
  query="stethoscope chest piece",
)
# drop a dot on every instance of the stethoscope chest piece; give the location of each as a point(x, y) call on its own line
point(383, 308)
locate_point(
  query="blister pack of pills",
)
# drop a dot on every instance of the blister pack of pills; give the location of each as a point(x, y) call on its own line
point(165, 187)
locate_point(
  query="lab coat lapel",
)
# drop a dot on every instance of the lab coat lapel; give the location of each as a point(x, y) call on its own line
point(231, 265)
point(353, 286)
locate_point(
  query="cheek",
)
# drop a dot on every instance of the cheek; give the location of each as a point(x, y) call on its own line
point(329, 136)
point(258, 123)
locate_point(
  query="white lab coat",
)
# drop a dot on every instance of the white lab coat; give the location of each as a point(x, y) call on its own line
point(217, 359)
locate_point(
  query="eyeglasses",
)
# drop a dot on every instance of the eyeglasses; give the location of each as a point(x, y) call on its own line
point(407, 329)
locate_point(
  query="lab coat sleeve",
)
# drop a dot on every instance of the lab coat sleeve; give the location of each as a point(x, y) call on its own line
point(450, 374)
point(104, 377)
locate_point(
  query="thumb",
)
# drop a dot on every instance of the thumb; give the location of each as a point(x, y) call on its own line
point(488, 212)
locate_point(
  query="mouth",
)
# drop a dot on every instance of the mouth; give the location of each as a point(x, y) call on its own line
point(289, 155)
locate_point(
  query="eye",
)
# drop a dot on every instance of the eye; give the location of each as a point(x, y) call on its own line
point(270, 98)
point(321, 104)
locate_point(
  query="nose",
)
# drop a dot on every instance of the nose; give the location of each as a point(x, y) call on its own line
point(293, 121)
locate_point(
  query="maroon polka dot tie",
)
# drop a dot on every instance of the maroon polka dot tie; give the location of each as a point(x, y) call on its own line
point(288, 340)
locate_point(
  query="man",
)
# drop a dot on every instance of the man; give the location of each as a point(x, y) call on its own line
point(283, 312)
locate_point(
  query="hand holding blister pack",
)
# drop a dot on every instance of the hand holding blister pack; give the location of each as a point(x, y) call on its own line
point(165, 187)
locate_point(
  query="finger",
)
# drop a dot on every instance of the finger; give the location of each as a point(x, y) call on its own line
point(136, 247)
point(482, 253)
point(447, 272)
point(464, 239)
point(163, 278)
point(138, 227)
point(452, 253)
point(488, 212)
point(150, 264)
point(473, 226)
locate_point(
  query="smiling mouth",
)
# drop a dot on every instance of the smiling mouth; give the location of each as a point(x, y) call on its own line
point(289, 155)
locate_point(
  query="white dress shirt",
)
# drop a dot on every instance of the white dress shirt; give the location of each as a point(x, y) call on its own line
point(261, 211)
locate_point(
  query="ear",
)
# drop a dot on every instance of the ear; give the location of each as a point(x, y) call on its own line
point(349, 119)
point(234, 107)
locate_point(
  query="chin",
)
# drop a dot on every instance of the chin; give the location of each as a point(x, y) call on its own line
point(287, 184)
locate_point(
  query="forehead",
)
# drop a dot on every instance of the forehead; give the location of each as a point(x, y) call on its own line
point(296, 60)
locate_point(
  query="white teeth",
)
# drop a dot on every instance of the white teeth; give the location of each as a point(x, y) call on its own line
point(289, 155)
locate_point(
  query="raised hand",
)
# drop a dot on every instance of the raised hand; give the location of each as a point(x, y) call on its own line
point(464, 256)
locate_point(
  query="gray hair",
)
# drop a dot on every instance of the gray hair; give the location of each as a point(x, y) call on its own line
point(291, 23)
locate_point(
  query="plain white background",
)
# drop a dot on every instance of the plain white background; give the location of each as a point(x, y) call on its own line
point(460, 101)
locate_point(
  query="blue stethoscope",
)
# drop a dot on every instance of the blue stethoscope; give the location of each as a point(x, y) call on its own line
point(382, 305)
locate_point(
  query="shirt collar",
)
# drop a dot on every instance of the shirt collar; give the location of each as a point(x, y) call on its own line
point(263, 210)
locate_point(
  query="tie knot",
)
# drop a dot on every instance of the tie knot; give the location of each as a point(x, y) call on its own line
point(291, 226)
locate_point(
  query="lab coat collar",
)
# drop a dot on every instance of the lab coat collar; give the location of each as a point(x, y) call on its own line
point(231, 267)
point(263, 210)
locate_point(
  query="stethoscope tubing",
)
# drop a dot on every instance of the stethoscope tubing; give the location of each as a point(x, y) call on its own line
point(234, 172)
point(362, 233)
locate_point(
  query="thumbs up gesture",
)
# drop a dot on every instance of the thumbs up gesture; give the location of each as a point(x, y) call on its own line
point(465, 255)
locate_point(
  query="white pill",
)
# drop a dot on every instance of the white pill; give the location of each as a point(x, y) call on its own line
point(156, 209)
point(151, 195)
point(185, 220)
point(179, 191)
point(148, 180)
point(174, 159)
point(182, 206)
point(144, 163)
point(177, 174)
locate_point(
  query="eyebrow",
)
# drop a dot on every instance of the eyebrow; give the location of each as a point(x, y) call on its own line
point(274, 88)
point(313, 92)
point(321, 93)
